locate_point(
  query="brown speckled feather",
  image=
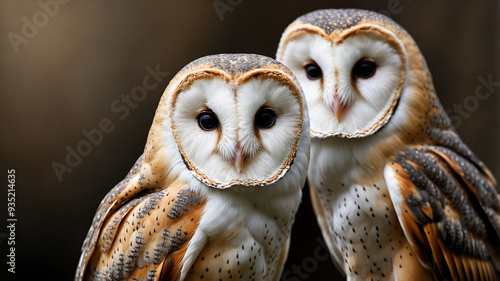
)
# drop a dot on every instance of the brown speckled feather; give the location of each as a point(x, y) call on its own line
point(449, 210)
point(235, 64)
point(140, 230)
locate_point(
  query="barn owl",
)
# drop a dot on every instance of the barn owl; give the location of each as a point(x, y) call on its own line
point(215, 192)
point(397, 194)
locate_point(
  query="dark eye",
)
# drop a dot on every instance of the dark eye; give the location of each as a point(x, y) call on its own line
point(265, 118)
point(207, 120)
point(364, 68)
point(313, 71)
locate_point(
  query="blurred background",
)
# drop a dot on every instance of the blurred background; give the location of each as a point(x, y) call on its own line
point(63, 67)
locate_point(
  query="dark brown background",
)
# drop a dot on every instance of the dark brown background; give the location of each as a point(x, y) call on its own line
point(66, 77)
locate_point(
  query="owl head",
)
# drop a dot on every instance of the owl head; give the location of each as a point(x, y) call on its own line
point(230, 119)
point(354, 67)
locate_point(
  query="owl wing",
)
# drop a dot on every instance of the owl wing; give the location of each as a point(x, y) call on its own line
point(282, 260)
point(140, 231)
point(449, 210)
point(319, 210)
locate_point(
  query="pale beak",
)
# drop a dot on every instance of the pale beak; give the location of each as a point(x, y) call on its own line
point(337, 106)
point(239, 158)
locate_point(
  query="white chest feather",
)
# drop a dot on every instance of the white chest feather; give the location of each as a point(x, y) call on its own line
point(362, 227)
point(244, 235)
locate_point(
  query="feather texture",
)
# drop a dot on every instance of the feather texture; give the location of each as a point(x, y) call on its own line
point(449, 211)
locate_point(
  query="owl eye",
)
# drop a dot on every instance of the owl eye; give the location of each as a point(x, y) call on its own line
point(207, 120)
point(313, 71)
point(265, 118)
point(364, 68)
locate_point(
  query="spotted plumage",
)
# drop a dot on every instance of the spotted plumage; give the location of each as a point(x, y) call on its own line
point(397, 194)
point(214, 195)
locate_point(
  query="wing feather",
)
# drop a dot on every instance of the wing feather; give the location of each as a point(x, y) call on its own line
point(281, 262)
point(319, 210)
point(140, 231)
point(449, 210)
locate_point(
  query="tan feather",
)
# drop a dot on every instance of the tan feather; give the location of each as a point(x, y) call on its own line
point(458, 248)
point(144, 233)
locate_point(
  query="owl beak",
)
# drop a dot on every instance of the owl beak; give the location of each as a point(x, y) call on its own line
point(239, 158)
point(337, 106)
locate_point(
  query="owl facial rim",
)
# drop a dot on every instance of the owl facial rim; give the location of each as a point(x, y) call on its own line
point(236, 81)
point(336, 38)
